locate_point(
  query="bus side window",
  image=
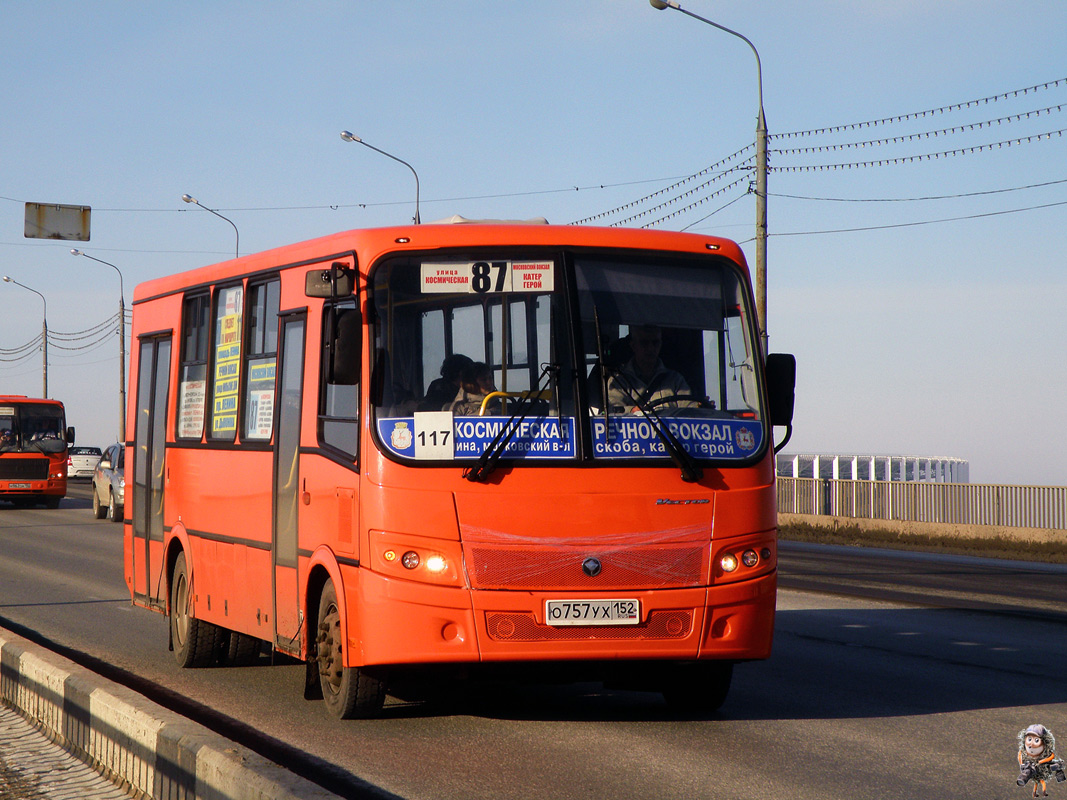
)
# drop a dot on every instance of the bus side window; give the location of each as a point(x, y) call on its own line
point(192, 388)
point(226, 377)
point(344, 352)
point(343, 340)
point(261, 359)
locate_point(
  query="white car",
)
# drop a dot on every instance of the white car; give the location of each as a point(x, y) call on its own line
point(81, 461)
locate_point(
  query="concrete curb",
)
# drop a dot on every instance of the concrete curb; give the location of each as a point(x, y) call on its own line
point(152, 750)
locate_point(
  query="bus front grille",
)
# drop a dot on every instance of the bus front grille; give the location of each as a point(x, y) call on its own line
point(658, 567)
point(23, 469)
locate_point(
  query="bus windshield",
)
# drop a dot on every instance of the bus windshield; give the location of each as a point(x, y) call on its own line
point(584, 354)
point(31, 428)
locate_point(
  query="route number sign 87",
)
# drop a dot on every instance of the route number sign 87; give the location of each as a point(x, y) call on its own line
point(487, 277)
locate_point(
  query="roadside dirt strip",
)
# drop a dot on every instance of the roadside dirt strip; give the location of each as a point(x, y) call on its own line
point(131, 740)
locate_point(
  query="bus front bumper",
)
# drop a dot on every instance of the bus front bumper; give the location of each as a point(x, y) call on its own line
point(30, 489)
point(403, 622)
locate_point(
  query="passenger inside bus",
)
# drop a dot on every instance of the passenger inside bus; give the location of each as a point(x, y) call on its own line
point(644, 379)
point(476, 382)
point(443, 391)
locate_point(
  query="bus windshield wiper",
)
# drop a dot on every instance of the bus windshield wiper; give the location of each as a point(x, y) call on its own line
point(480, 471)
point(600, 368)
point(691, 471)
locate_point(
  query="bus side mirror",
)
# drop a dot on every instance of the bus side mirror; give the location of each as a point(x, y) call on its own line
point(333, 282)
point(781, 387)
point(70, 435)
point(346, 343)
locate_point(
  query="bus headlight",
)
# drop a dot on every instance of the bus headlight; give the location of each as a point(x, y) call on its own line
point(744, 558)
point(416, 558)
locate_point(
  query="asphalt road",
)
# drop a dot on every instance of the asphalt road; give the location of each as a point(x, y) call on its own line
point(918, 695)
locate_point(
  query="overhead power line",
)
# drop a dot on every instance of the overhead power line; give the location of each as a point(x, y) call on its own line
point(680, 190)
point(911, 137)
point(957, 196)
point(35, 343)
point(923, 222)
point(86, 340)
point(717, 165)
point(960, 151)
point(920, 114)
point(781, 156)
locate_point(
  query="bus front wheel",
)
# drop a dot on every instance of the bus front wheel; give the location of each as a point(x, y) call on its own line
point(349, 692)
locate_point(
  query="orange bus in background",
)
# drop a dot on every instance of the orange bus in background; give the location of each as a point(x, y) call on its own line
point(34, 438)
point(392, 452)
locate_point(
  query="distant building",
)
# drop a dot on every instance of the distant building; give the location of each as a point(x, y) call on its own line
point(871, 467)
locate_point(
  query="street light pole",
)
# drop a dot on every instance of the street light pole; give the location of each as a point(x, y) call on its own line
point(349, 137)
point(761, 173)
point(122, 342)
point(44, 335)
point(188, 198)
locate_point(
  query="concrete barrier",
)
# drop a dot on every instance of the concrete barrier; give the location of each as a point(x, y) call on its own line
point(132, 740)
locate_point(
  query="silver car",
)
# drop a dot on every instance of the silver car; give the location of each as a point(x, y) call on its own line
point(109, 484)
point(81, 461)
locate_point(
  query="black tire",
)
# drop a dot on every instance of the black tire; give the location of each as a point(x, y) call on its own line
point(114, 511)
point(699, 688)
point(52, 501)
point(349, 692)
point(194, 641)
point(242, 650)
point(99, 510)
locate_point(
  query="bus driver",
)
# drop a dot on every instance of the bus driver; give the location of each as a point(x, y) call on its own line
point(644, 379)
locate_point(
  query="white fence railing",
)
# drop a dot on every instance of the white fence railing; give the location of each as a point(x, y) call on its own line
point(912, 501)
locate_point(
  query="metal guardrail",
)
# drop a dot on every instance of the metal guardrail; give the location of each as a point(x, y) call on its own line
point(913, 501)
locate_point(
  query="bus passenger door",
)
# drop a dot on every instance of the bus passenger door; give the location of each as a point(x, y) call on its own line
point(287, 483)
point(150, 435)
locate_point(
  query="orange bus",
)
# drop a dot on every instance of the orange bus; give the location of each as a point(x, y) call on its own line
point(33, 450)
point(397, 451)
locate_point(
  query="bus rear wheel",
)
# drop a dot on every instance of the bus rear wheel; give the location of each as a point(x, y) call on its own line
point(193, 640)
point(349, 692)
point(242, 650)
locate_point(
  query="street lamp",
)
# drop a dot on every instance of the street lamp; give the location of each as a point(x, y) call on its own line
point(761, 174)
point(44, 335)
point(348, 137)
point(188, 198)
point(122, 343)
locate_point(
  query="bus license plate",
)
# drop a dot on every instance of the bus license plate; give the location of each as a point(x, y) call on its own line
point(20, 486)
point(592, 612)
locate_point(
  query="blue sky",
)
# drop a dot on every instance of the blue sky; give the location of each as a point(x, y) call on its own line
point(921, 326)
